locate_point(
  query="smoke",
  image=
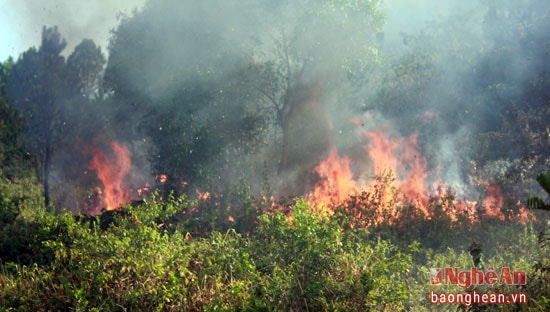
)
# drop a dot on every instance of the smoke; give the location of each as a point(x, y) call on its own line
point(22, 21)
point(474, 61)
point(412, 17)
point(187, 80)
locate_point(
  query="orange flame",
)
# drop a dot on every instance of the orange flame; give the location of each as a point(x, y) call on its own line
point(162, 178)
point(111, 170)
point(202, 196)
point(402, 158)
point(493, 202)
point(335, 184)
point(524, 215)
point(399, 157)
point(379, 198)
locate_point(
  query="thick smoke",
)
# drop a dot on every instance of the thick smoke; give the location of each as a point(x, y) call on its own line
point(478, 58)
point(186, 81)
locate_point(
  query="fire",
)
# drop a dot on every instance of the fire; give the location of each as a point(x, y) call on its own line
point(336, 181)
point(493, 202)
point(398, 157)
point(401, 157)
point(111, 169)
point(203, 196)
point(400, 180)
point(162, 178)
point(524, 215)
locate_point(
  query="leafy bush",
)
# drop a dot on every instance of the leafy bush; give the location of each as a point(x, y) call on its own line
point(143, 258)
point(315, 265)
point(21, 214)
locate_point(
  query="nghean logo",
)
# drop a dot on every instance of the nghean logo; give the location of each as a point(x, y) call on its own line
point(474, 276)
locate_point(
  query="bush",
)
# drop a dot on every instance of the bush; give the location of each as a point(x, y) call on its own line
point(143, 258)
point(313, 264)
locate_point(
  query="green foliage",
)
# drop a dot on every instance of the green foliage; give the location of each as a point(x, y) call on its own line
point(48, 93)
point(36, 87)
point(544, 180)
point(85, 65)
point(5, 69)
point(11, 153)
point(20, 208)
point(541, 269)
point(315, 265)
point(218, 210)
point(143, 262)
point(536, 203)
point(143, 258)
point(12, 160)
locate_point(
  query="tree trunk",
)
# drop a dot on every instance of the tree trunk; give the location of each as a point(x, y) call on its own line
point(46, 185)
point(47, 167)
point(307, 137)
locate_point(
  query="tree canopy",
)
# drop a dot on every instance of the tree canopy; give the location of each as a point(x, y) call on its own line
point(44, 88)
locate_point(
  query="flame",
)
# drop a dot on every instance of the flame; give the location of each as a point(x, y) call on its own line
point(162, 178)
point(400, 180)
point(111, 169)
point(524, 215)
point(401, 157)
point(493, 202)
point(142, 191)
point(202, 196)
point(335, 184)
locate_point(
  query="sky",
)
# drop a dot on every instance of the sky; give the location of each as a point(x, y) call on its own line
point(21, 21)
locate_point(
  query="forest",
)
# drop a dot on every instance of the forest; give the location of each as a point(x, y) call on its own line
point(261, 155)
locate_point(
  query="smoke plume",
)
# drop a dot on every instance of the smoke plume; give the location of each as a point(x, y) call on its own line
point(206, 91)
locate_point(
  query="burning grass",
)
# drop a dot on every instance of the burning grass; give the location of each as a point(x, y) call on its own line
point(147, 260)
point(393, 186)
point(399, 179)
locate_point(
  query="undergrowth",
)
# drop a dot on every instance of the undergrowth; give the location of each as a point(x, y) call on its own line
point(150, 257)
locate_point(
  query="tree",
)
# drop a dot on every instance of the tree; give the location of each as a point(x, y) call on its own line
point(42, 87)
point(11, 125)
point(217, 75)
point(183, 83)
point(5, 69)
point(321, 59)
point(35, 88)
point(86, 64)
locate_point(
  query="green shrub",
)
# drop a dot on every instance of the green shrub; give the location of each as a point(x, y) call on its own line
point(313, 264)
point(143, 258)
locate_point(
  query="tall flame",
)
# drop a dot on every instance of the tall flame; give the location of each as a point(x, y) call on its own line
point(493, 202)
point(401, 157)
point(400, 160)
point(335, 182)
point(111, 169)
